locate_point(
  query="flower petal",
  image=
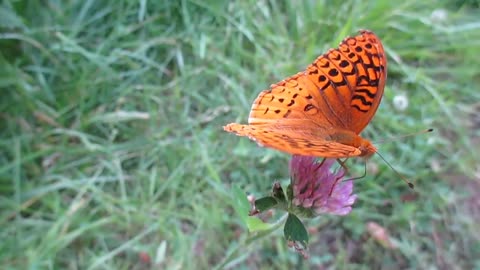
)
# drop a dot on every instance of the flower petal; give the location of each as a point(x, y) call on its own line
point(316, 187)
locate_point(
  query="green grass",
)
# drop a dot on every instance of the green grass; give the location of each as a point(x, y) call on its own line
point(112, 146)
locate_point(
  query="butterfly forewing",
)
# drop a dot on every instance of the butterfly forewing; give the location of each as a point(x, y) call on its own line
point(351, 79)
point(371, 68)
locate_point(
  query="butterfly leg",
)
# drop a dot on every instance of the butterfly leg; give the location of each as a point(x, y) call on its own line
point(342, 164)
point(358, 177)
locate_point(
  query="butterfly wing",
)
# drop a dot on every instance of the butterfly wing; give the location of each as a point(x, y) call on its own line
point(352, 79)
point(339, 91)
point(286, 118)
point(293, 139)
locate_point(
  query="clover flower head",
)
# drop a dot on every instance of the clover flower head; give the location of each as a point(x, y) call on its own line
point(317, 188)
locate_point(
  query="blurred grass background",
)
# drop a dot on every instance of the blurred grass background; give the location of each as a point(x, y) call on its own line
point(113, 156)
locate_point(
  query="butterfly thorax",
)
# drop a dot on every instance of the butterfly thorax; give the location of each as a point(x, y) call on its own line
point(350, 138)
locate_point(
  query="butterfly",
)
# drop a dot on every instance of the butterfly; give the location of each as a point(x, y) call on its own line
point(322, 110)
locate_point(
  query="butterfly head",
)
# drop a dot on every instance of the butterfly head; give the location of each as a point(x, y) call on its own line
point(367, 148)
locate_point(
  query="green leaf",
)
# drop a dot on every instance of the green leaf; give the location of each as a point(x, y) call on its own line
point(255, 224)
point(242, 207)
point(265, 203)
point(296, 233)
point(290, 193)
point(278, 193)
point(240, 203)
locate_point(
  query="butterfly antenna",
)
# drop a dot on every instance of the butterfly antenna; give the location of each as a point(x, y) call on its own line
point(410, 185)
point(405, 136)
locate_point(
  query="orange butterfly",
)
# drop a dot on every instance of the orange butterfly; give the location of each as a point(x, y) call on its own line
point(320, 111)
